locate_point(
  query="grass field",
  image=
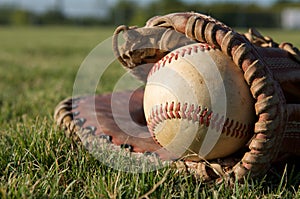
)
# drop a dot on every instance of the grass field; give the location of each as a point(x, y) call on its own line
point(38, 66)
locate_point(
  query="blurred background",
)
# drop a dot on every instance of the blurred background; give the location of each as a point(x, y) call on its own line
point(236, 13)
point(44, 43)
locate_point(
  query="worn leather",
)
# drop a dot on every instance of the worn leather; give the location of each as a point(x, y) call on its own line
point(271, 70)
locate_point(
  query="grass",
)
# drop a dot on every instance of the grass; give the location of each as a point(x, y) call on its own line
point(38, 66)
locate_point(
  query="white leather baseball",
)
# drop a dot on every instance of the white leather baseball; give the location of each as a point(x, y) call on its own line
point(197, 103)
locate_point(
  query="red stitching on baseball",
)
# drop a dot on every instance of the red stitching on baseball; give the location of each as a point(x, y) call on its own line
point(200, 114)
point(193, 112)
point(179, 53)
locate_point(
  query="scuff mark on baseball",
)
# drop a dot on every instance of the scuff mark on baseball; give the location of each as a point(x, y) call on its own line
point(197, 103)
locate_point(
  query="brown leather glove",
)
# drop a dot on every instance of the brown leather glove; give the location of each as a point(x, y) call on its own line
point(271, 70)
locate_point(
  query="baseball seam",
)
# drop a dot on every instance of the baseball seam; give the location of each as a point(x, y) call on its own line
point(196, 113)
point(179, 54)
point(192, 112)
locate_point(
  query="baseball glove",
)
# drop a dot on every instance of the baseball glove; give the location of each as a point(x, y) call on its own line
point(271, 70)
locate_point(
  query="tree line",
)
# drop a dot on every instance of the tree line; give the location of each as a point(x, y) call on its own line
point(129, 13)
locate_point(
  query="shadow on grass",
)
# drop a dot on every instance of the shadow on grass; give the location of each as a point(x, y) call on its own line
point(285, 173)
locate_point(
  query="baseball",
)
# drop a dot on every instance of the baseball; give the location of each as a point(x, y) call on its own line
point(197, 103)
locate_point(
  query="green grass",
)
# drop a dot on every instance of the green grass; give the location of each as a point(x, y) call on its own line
point(38, 66)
